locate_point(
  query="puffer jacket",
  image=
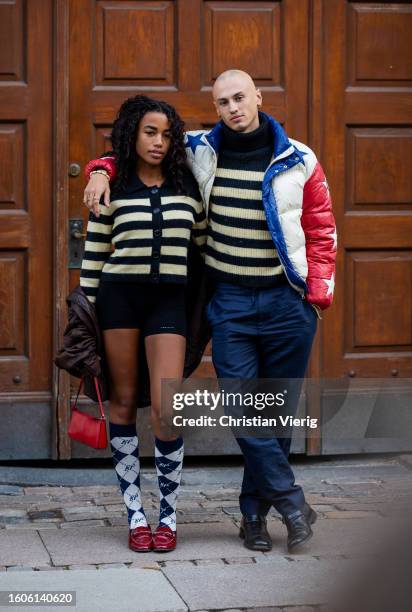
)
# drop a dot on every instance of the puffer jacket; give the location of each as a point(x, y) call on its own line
point(296, 200)
point(82, 353)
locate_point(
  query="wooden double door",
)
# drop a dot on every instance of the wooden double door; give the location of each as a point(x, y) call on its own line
point(336, 74)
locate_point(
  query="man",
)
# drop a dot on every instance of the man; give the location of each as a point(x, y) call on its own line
point(271, 250)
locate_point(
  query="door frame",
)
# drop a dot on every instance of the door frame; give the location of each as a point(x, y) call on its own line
point(315, 97)
point(61, 380)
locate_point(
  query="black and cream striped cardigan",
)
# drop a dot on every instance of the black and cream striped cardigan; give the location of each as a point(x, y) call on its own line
point(143, 236)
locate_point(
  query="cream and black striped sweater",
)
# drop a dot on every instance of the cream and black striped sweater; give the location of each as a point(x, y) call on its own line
point(240, 249)
point(143, 236)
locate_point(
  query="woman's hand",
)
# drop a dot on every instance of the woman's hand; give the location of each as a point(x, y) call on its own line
point(97, 186)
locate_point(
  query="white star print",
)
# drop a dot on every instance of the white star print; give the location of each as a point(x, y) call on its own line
point(330, 283)
point(325, 184)
point(335, 239)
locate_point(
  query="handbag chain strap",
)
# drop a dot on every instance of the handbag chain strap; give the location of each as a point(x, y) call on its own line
point(99, 397)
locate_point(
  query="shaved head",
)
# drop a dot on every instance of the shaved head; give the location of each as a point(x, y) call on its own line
point(233, 72)
point(237, 100)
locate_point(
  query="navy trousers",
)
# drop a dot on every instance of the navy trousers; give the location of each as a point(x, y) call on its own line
point(263, 333)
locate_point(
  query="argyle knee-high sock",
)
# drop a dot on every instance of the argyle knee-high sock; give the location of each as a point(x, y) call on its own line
point(125, 450)
point(169, 461)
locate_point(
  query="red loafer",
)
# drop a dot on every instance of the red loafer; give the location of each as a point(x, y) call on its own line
point(164, 539)
point(141, 539)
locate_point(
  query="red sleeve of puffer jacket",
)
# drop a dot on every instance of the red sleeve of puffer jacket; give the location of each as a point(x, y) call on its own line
point(319, 226)
point(107, 163)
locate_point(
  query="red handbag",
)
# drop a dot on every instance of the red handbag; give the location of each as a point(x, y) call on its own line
point(85, 428)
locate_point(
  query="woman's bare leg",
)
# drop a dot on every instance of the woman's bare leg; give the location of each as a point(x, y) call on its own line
point(165, 355)
point(121, 347)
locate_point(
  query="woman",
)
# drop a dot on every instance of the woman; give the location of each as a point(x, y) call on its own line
point(135, 269)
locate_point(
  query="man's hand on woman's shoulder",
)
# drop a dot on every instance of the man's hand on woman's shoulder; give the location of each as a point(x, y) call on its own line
point(97, 187)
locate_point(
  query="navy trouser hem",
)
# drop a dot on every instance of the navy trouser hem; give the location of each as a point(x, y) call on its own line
point(273, 482)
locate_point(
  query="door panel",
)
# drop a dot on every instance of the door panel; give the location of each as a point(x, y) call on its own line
point(173, 50)
point(26, 238)
point(26, 234)
point(367, 153)
point(367, 145)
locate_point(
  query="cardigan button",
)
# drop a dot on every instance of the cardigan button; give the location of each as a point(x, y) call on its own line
point(154, 190)
point(157, 232)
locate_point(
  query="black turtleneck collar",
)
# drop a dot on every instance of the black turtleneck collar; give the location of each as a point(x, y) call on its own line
point(250, 141)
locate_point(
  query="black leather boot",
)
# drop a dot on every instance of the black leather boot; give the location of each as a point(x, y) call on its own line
point(299, 526)
point(310, 514)
point(253, 530)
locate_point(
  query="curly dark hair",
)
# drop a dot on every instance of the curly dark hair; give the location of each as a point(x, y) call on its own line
point(124, 134)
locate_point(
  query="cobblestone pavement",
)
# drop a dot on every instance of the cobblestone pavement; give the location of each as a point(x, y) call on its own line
point(78, 528)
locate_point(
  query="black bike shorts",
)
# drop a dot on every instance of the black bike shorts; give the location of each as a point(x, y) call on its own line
point(151, 308)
